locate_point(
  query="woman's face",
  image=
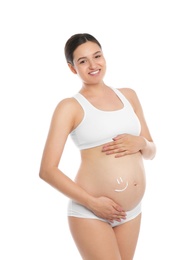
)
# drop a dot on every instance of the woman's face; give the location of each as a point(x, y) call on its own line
point(89, 63)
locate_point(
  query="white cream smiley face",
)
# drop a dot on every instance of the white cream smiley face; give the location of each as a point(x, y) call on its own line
point(123, 185)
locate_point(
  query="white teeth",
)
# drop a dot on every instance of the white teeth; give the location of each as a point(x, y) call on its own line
point(94, 72)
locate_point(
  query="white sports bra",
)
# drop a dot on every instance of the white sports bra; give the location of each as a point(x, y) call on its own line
point(99, 127)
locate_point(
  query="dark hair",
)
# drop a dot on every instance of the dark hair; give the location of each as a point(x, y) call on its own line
point(74, 41)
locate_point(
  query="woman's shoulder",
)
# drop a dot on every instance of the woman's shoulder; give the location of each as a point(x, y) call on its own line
point(127, 91)
point(131, 95)
point(66, 113)
point(67, 106)
point(67, 103)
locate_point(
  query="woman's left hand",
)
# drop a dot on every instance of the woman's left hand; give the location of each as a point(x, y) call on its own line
point(124, 144)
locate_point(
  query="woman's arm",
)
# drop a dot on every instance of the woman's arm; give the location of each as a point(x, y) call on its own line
point(125, 144)
point(65, 118)
point(62, 123)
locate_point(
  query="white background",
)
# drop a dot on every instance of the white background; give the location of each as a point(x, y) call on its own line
point(148, 47)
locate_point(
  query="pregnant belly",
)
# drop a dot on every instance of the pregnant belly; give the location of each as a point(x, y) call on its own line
point(121, 179)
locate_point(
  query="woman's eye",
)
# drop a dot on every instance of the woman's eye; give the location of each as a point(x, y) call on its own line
point(82, 61)
point(97, 56)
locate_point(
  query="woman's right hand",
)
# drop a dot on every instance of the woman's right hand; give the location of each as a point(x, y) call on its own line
point(106, 208)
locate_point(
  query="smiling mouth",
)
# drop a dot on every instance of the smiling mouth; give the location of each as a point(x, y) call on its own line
point(117, 190)
point(94, 72)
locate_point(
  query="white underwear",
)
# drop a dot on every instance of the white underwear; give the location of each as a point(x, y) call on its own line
point(79, 211)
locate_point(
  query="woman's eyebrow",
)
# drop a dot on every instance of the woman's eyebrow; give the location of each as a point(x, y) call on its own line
point(86, 57)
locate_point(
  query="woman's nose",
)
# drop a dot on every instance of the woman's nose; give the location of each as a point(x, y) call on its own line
point(92, 64)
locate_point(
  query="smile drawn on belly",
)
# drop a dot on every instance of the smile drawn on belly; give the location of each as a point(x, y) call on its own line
point(119, 181)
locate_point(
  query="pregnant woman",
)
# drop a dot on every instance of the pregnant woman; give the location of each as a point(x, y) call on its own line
point(108, 127)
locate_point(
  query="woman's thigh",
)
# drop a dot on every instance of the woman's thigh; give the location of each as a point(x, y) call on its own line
point(94, 239)
point(127, 236)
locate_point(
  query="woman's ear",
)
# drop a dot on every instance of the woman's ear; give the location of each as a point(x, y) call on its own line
point(72, 68)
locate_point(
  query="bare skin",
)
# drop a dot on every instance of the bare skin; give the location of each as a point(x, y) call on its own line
point(108, 196)
point(98, 240)
point(121, 179)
